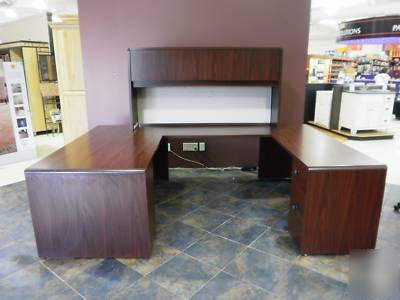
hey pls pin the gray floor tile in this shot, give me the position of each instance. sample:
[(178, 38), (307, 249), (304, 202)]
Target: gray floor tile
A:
[(260, 214), (281, 222), (176, 208), (14, 257), (205, 218), (282, 187), (215, 250), (260, 203), (240, 230), (389, 231), (336, 267), (165, 190), (276, 202), (160, 254), (179, 235), (34, 282), (302, 283), (68, 269), (201, 195), (104, 279), (384, 244), (183, 275), (13, 202), (226, 287), (16, 229), (221, 186), (162, 219), (261, 269), (228, 204), (12, 188), (393, 195), (388, 213), (255, 191), (224, 175), (278, 243), (145, 289)]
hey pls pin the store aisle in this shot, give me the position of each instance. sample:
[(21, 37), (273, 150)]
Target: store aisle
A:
[(45, 144), (385, 151)]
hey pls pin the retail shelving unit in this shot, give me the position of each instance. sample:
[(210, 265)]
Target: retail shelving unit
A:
[(27, 52), (326, 69), (338, 64), (371, 66)]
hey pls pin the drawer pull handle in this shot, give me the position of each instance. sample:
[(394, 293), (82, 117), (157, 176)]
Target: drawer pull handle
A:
[(296, 172), (295, 206)]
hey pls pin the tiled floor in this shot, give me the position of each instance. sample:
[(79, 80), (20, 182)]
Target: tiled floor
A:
[(220, 235)]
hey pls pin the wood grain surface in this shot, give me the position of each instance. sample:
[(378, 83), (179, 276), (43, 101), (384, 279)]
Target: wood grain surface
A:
[(205, 66), (93, 197)]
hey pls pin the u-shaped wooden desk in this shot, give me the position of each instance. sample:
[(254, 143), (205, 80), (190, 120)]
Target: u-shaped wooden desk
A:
[(93, 197)]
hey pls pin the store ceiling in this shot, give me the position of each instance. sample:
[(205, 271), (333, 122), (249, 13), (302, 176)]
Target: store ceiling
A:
[(11, 10), (327, 14)]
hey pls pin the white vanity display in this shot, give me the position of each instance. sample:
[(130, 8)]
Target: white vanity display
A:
[(323, 107), (366, 110)]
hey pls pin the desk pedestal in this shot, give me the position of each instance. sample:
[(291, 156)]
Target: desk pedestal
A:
[(91, 214)]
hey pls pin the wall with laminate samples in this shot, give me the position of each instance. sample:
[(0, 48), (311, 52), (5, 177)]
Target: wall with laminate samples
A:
[(108, 28)]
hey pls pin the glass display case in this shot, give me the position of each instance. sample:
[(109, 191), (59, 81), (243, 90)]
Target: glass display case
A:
[(47, 67)]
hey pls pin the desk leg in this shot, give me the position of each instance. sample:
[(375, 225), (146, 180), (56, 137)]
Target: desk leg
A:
[(274, 161), (160, 161)]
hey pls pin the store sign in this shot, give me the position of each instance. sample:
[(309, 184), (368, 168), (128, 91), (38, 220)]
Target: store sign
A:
[(360, 31)]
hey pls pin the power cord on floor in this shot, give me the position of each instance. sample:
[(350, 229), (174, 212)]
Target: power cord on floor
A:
[(204, 166), (187, 159)]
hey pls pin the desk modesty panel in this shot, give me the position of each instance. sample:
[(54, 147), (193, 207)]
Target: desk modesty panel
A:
[(104, 181)]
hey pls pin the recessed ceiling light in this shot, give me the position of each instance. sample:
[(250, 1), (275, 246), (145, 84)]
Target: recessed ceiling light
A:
[(10, 13)]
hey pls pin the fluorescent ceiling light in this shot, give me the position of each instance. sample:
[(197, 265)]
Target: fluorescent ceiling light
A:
[(40, 4), (10, 13)]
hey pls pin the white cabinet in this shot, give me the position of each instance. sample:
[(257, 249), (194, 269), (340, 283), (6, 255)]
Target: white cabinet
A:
[(323, 107), (67, 45), (366, 111)]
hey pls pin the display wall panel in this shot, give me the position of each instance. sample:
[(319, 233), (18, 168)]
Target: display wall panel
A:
[(206, 23)]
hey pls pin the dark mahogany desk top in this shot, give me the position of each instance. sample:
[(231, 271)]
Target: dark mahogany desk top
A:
[(317, 150), (118, 149)]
